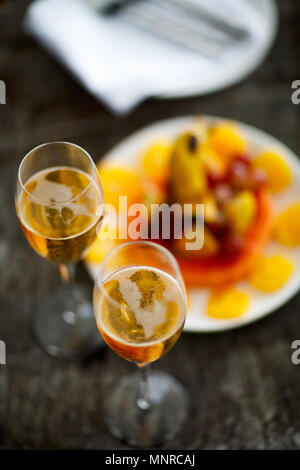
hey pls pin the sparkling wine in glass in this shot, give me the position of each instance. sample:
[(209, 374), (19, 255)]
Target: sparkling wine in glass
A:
[(140, 309), (59, 203)]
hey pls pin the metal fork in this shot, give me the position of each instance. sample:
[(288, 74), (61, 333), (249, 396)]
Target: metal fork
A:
[(180, 21)]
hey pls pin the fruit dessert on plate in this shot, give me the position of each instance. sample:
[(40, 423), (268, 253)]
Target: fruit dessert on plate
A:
[(213, 163), (211, 166)]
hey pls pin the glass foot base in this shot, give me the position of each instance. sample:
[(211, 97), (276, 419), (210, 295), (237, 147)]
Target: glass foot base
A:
[(64, 325), (150, 426)]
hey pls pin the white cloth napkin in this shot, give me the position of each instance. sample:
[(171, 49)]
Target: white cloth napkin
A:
[(122, 65)]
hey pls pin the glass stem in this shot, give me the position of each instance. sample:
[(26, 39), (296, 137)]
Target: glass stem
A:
[(67, 273), (143, 401)]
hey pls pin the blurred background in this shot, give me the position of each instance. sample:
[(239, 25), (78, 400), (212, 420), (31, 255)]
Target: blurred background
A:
[(245, 391)]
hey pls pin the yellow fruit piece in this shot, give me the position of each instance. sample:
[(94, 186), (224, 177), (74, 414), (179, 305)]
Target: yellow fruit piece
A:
[(107, 239), (240, 211), (211, 211), (211, 245), (226, 140), (277, 170), (100, 249), (287, 226), (156, 161), (227, 303), (213, 161), (153, 194), (271, 273), (188, 182), (117, 181)]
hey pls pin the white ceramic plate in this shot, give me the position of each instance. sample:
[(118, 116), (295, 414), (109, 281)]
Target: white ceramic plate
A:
[(127, 152), (236, 67)]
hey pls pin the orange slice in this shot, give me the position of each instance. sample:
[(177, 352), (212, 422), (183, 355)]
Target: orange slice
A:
[(287, 226), (226, 140), (118, 181), (277, 170), (100, 248), (156, 161), (271, 273), (227, 302)]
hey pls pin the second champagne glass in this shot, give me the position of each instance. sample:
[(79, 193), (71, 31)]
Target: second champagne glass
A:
[(59, 203), (140, 309)]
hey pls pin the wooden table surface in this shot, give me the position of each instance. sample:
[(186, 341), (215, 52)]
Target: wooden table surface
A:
[(245, 393)]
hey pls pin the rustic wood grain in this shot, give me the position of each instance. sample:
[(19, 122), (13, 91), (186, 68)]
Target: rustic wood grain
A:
[(244, 390)]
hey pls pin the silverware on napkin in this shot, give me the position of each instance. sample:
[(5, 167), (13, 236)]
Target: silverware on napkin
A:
[(181, 21)]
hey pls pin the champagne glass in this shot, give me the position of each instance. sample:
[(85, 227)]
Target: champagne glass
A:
[(140, 309), (59, 203)]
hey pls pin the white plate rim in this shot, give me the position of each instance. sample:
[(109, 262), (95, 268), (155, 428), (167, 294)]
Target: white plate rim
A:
[(243, 72)]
